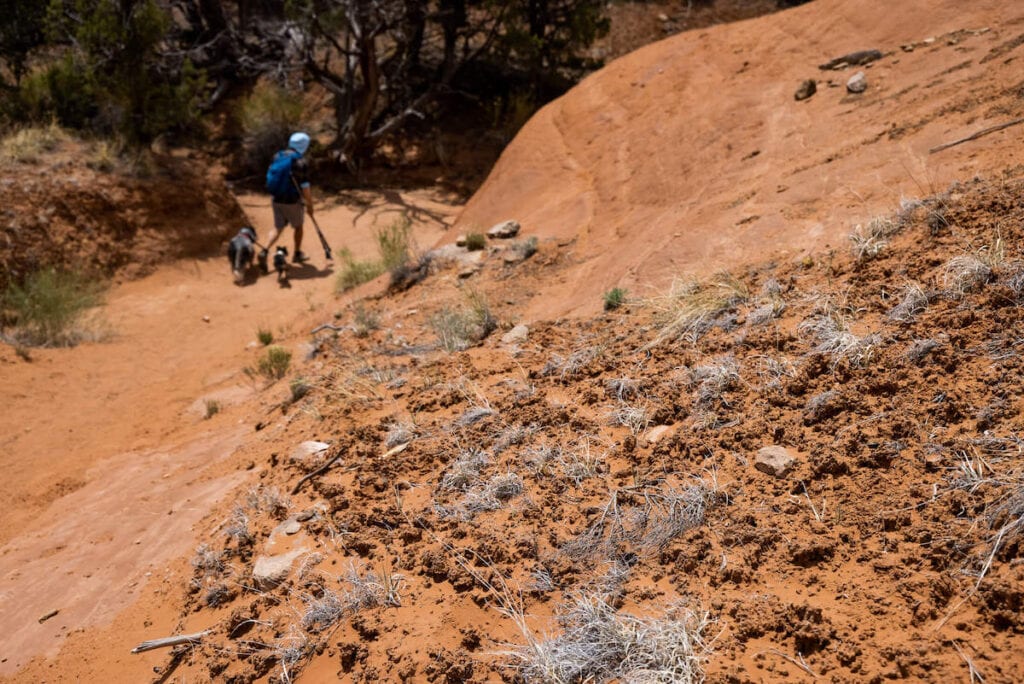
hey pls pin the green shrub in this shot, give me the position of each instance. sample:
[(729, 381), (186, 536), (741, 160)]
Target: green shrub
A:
[(212, 408), (354, 272), (274, 363), (264, 336), (47, 309), (365, 320), (476, 241), (28, 144), (614, 298), (299, 387), (267, 117), (393, 241), (457, 329)]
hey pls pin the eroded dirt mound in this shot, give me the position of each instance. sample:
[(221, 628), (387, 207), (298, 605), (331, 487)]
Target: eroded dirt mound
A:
[(691, 153), (61, 213), (608, 471)]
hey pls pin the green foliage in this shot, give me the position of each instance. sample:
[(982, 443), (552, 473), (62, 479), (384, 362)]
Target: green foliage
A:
[(457, 329), (110, 73), (212, 408), (476, 241), (48, 307), (354, 272), (393, 241), (299, 388), (274, 364), (614, 298), (264, 336), (21, 30), (267, 117)]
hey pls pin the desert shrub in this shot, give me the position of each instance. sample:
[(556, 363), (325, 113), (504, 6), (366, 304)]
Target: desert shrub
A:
[(869, 241), (614, 298), (691, 309), (598, 644), (264, 335), (457, 329), (476, 241), (364, 320), (354, 272), (47, 309), (212, 408), (267, 116), (27, 144), (274, 363), (299, 387), (394, 244)]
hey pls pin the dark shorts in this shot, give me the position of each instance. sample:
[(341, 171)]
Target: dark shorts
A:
[(285, 214)]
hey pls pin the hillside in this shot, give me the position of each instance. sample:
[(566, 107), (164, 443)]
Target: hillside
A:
[(691, 153), (482, 476)]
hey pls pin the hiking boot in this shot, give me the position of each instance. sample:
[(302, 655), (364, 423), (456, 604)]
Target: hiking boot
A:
[(300, 258)]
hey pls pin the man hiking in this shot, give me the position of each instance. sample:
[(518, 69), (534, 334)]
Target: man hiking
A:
[(288, 182)]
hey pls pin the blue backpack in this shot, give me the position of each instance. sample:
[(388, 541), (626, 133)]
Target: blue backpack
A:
[(279, 177)]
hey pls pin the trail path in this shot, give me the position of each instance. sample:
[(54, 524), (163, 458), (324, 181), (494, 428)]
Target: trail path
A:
[(108, 461)]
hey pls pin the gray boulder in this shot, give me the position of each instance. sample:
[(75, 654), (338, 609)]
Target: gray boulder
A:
[(858, 83), (504, 230)]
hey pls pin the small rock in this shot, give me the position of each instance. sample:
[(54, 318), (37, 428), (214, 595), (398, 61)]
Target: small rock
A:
[(516, 335), (47, 616), (460, 241), (269, 571), (512, 256), (474, 415), (468, 272), (291, 526), (206, 319), (806, 89), (504, 230), (775, 460), (309, 451), (858, 83), (656, 433), (662, 17), (305, 515)]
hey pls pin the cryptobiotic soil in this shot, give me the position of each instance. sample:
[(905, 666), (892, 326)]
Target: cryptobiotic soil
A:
[(582, 498)]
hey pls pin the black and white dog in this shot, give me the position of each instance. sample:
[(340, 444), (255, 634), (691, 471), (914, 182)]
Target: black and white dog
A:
[(240, 252), (281, 262)]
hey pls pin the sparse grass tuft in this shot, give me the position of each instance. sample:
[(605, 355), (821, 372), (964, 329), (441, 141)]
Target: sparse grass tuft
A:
[(465, 470), (965, 273), (265, 336), (491, 495), (691, 309), (475, 242), (713, 380), (870, 240), (365, 320), (354, 272), (913, 301), (393, 242), (274, 364), (458, 329), (48, 309), (598, 644), (833, 338), (27, 145), (212, 408), (614, 298), (299, 388)]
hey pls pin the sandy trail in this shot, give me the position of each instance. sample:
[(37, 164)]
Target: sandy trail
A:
[(108, 460)]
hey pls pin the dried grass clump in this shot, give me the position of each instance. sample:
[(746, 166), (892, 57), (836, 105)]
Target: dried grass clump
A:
[(492, 495), (965, 273), (579, 463), (713, 380), (834, 339), (691, 309), (269, 500), (772, 372), (913, 301), (636, 418), (622, 388), (465, 470), (575, 364), (322, 611), (28, 144), (869, 241), (399, 433), (208, 561), (597, 644), (371, 589)]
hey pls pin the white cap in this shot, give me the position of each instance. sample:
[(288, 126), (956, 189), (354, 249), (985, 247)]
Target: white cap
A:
[(299, 142)]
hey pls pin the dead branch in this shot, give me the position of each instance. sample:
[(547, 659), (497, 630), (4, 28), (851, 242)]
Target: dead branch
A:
[(328, 326), (170, 641), (975, 136), (310, 476)]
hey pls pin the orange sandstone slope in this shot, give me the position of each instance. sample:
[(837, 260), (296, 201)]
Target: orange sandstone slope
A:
[(692, 155)]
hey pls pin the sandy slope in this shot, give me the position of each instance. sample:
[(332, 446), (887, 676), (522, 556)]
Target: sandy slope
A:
[(107, 459), (691, 154)]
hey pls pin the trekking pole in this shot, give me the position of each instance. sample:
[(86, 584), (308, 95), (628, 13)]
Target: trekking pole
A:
[(319, 233)]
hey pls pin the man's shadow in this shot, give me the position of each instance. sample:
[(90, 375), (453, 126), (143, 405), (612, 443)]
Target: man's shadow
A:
[(308, 271)]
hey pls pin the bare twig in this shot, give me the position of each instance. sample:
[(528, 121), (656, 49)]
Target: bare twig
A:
[(318, 471), (802, 664), (170, 641), (972, 671), (975, 136)]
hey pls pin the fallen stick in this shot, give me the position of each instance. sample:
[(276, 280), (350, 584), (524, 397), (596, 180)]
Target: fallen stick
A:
[(310, 476), (975, 136), (170, 641), (328, 326)]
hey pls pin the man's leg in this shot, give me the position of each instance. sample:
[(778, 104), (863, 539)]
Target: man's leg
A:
[(297, 221)]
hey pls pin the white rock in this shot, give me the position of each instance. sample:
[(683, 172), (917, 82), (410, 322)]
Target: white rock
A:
[(775, 460), (269, 571), (309, 451), (516, 335), (504, 230), (655, 434), (460, 241), (858, 83)]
